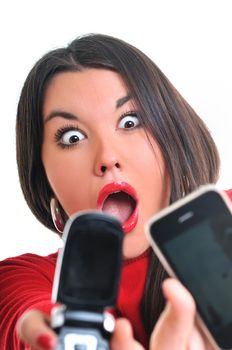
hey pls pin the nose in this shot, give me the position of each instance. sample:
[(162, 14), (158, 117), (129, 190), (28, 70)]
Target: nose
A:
[(106, 159)]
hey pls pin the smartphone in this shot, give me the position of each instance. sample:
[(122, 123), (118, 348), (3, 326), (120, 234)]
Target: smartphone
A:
[(86, 281), (193, 240)]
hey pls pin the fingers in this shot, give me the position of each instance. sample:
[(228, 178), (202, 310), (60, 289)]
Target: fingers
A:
[(176, 324), (122, 338), (197, 341), (33, 329)]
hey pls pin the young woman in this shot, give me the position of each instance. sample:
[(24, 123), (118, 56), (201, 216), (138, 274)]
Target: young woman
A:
[(100, 127)]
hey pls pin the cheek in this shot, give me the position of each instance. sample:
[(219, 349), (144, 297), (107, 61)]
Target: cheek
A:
[(154, 178), (148, 160), (67, 177)]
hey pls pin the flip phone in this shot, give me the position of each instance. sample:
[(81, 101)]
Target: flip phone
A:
[(86, 281)]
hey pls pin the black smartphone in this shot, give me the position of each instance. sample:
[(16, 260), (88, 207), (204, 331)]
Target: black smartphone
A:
[(193, 240), (86, 281)]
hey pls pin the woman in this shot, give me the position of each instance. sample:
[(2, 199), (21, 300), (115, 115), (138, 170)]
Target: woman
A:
[(100, 127)]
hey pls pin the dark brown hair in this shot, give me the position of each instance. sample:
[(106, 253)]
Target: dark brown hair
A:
[(188, 149)]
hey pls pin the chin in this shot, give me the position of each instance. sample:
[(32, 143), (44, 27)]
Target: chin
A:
[(134, 244)]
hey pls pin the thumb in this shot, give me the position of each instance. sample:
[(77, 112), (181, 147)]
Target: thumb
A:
[(122, 337), (33, 329), (176, 323)]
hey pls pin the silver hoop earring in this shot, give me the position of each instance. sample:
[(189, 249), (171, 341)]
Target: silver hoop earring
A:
[(186, 186), (56, 215)]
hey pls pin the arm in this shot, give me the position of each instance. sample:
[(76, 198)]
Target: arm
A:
[(25, 283), (175, 329)]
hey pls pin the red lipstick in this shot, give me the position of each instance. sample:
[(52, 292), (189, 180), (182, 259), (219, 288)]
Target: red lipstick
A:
[(120, 187)]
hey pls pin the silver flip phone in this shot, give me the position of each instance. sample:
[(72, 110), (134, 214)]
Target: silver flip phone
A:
[(86, 281)]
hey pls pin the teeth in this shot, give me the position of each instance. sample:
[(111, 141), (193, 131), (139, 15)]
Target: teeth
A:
[(114, 193)]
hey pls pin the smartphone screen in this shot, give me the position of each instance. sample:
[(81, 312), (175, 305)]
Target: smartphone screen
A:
[(196, 241)]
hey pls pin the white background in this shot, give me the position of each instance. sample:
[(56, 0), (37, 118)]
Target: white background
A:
[(189, 40)]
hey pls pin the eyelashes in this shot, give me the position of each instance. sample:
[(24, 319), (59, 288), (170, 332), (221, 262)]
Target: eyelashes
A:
[(70, 135), (61, 131), (129, 120)]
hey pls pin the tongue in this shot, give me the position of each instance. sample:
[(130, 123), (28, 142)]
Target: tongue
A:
[(119, 205)]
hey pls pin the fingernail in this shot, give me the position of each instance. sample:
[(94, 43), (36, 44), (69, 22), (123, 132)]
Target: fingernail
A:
[(46, 341)]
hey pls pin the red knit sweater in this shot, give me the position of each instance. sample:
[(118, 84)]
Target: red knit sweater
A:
[(26, 282)]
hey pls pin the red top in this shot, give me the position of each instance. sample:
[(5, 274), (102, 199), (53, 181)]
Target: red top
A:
[(26, 282)]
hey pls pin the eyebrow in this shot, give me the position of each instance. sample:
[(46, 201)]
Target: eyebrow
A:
[(121, 101), (57, 113), (66, 115)]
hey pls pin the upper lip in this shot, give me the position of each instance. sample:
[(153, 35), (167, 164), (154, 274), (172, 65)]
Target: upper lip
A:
[(115, 187)]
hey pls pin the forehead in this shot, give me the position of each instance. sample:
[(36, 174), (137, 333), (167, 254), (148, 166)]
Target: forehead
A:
[(97, 91), (92, 82)]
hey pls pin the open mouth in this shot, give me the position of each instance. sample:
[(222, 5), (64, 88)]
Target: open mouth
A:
[(119, 204), (119, 199)]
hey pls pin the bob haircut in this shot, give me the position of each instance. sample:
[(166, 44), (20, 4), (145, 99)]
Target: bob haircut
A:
[(186, 144)]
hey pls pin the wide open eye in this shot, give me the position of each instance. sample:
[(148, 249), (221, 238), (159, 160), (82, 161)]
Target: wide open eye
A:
[(71, 137), (129, 121)]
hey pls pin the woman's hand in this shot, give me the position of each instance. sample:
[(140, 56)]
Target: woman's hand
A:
[(176, 328), (122, 338), (33, 328)]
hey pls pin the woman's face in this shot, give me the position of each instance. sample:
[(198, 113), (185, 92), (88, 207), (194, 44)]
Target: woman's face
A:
[(97, 155)]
